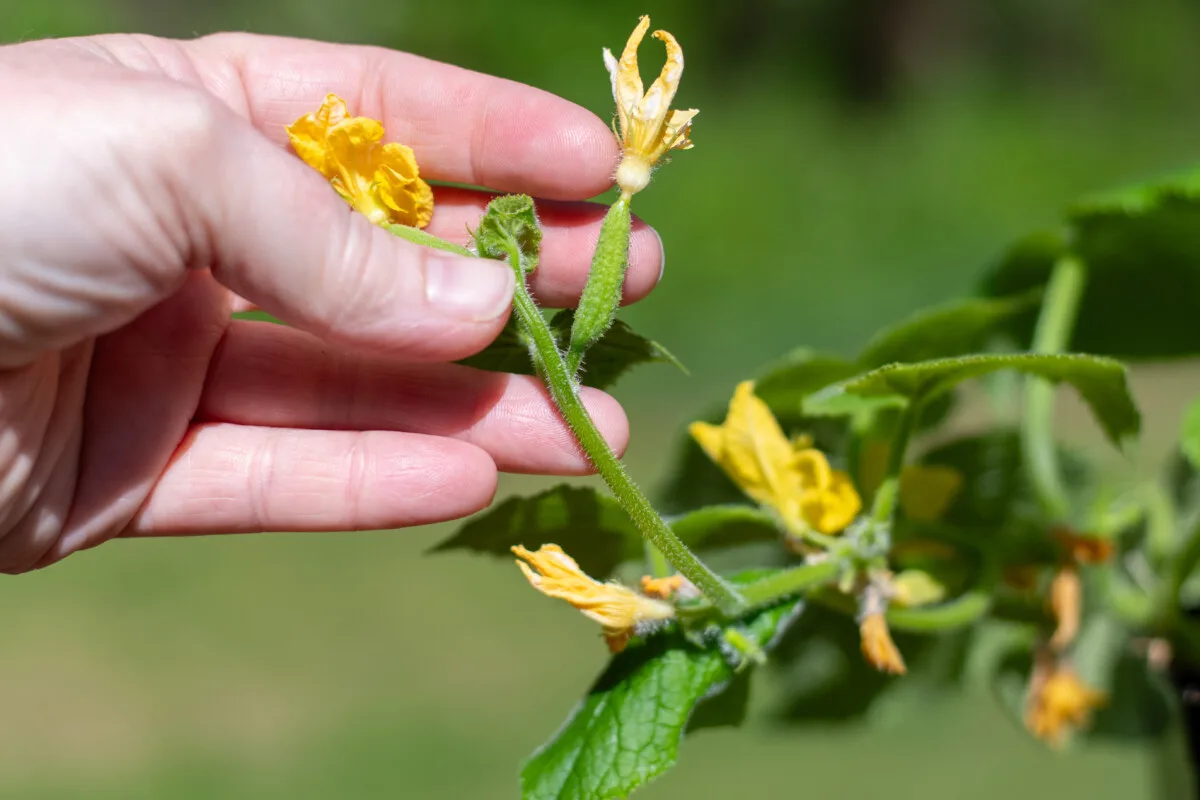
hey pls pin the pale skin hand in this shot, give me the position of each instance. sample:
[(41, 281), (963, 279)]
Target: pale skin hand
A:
[(148, 193)]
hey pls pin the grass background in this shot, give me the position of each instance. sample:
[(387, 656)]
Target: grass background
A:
[(818, 205)]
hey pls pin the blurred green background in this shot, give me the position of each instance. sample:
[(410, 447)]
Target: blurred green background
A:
[(854, 159)]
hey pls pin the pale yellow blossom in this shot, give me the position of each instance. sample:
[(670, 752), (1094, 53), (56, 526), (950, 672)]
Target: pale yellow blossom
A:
[(620, 611), (648, 126), (381, 181)]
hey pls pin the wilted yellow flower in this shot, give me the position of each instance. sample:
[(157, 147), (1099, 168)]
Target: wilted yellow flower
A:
[(1083, 548), (649, 128), (662, 588), (1059, 703), (798, 484), (877, 646), (620, 611), (379, 180), (1066, 604)]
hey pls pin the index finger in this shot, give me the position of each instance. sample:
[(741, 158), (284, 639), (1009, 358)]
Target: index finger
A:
[(463, 126)]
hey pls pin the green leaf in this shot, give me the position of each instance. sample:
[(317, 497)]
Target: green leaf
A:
[(954, 329), (508, 352), (826, 679), (1189, 436), (618, 351), (592, 528), (1100, 381), (628, 728), (785, 384), (1141, 248), (996, 487), (725, 526)]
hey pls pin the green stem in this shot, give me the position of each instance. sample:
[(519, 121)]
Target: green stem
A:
[(1181, 569), (659, 567), (790, 582), (1128, 602), (1053, 332), (888, 493), (550, 365)]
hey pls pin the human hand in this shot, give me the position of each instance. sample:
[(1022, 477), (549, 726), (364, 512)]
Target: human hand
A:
[(148, 194)]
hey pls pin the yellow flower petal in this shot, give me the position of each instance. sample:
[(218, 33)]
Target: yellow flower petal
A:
[(380, 181), (648, 126), (1059, 703), (832, 507), (926, 491), (619, 610), (751, 448), (309, 135), (877, 646), (799, 485)]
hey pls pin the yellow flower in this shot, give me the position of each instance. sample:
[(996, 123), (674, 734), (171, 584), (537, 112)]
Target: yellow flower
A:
[(379, 180), (828, 501), (649, 128), (877, 646), (797, 483), (620, 611), (1059, 703)]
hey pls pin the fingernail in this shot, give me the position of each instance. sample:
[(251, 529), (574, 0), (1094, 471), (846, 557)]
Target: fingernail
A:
[(662, 255), (477, 290)]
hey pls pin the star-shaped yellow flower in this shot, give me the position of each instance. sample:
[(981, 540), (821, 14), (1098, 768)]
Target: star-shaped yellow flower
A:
[(620, 611), (794, 480), (379, 180), (649, 128)]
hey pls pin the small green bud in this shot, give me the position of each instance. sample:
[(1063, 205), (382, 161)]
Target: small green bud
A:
[(602, 293), (510, 218), (914, 588)]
